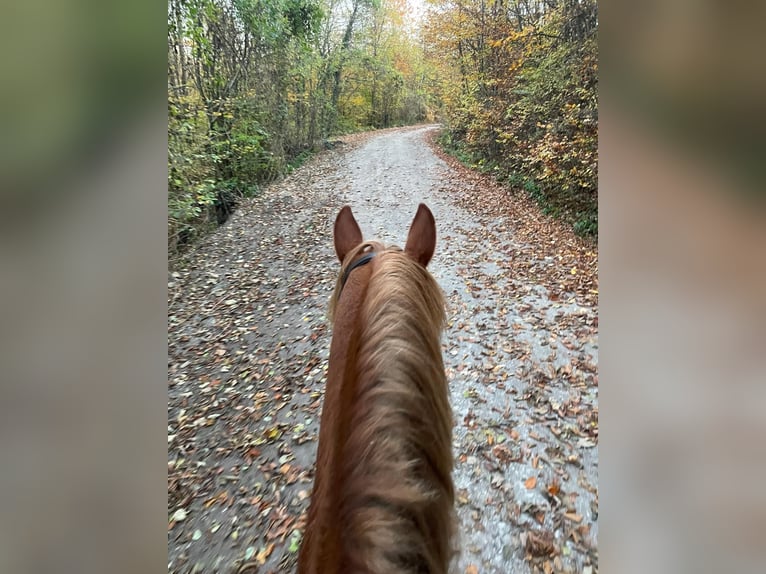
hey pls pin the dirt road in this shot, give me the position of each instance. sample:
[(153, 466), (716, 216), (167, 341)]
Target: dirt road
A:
[(249, 341)]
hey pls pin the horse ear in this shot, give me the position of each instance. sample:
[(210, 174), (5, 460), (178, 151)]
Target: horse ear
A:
[(347, 233), (421, 240)]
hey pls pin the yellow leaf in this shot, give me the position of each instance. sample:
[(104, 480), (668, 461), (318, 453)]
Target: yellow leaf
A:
[(264, 554)]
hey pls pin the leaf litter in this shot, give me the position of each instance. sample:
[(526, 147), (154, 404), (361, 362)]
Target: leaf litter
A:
[(248, 344)]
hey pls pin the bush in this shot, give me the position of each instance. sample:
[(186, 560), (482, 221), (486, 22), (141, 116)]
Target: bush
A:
[(528, 112)]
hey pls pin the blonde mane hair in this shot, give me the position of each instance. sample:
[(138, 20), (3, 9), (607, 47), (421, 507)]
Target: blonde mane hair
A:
[(395, 492)]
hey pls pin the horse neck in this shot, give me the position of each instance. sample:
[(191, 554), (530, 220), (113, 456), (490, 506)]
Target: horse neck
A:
[(322, 548)]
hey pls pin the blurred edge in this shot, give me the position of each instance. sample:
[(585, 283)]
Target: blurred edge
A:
[(84, 398), (682, 279), (74, 75), (694, 73), (83, 172)]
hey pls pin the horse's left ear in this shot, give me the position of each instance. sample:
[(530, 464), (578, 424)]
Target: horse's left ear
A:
[(421, 240), (347, 234)]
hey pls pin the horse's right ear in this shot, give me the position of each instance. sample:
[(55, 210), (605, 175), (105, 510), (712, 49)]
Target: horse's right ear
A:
[(421, 240), (347, 233)]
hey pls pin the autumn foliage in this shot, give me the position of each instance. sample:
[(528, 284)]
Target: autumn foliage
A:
[(254, 86), (518, 95)]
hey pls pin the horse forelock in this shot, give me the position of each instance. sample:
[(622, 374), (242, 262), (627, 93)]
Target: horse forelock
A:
[(352, 256)]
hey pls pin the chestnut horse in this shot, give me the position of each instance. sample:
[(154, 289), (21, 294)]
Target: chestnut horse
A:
[(383, 493)]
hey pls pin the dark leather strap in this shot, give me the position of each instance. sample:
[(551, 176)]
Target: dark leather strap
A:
[(363, 260)]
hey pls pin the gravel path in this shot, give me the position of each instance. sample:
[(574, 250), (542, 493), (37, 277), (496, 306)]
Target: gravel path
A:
[(248, 345)]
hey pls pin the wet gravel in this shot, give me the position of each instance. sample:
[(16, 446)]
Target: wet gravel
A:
[(247, 309)]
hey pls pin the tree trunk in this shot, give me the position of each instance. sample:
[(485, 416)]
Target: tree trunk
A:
[(345, 44)]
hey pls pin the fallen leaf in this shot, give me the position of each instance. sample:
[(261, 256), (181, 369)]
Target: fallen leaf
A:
[(472, 569), (179, 515), (531, 482), (540, 543), (264, 554), (295, 542)]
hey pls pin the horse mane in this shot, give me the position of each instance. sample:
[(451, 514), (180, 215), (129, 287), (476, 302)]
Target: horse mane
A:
[(396, 493)]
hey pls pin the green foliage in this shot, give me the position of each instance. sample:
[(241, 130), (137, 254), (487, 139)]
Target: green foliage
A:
[(455, 147), (304, 18), (534, 191), (298, 161), (587, 224), (253, 85)]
